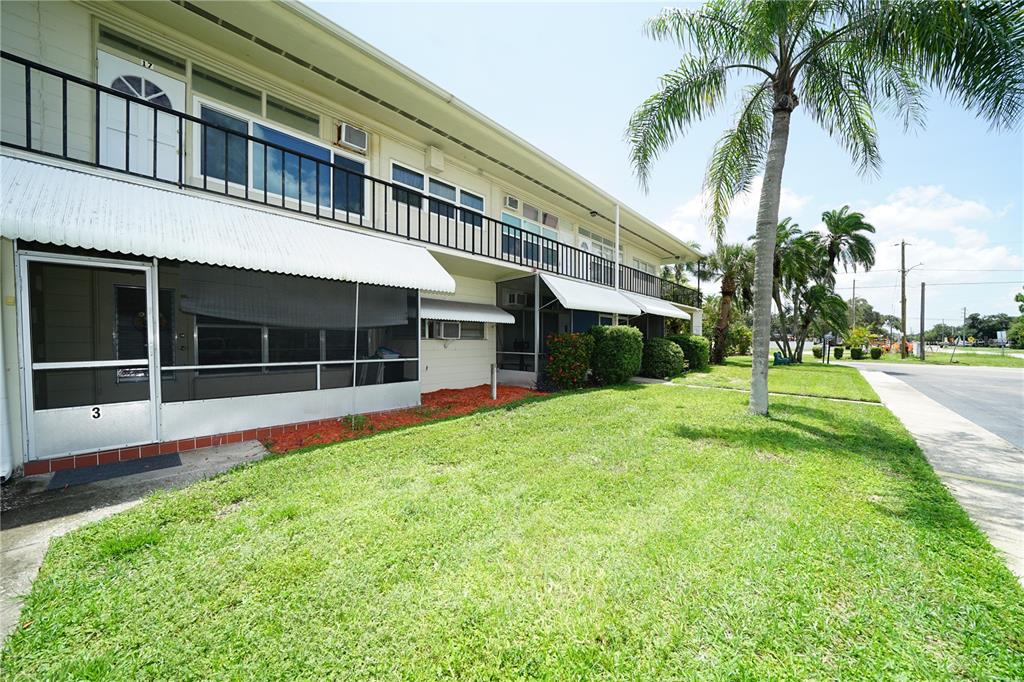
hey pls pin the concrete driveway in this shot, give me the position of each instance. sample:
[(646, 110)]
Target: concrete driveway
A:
[(968, 422)]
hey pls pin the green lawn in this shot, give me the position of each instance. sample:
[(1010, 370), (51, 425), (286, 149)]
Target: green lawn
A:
[(633, 533), (808, 378), (943, 357)]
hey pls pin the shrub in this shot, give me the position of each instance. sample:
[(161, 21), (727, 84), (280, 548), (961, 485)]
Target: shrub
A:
[(838, 352), (739, 339), (697, 350), (1015, 336), (662, 358), (876, 353), (817, 351), (568, 360), (857, 353), (618, 352)]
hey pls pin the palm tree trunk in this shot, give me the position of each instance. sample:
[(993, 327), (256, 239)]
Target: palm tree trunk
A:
[(783, 324), (767, 227), (722, 328)]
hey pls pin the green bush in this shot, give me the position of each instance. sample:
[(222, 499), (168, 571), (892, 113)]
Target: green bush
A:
[(838, 352), (739, 339), (857, 353), (1015, 336), (697, 350), (618, 353), (817, 351), (662, 358), (568, 360), (876, 353)]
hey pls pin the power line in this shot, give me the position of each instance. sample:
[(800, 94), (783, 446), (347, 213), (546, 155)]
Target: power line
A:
[(931, 284)]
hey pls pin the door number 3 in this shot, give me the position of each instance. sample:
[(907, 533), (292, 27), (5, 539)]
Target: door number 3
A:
[(96, 414)]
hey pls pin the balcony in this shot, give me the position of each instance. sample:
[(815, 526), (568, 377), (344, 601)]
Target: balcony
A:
[(58, 115)]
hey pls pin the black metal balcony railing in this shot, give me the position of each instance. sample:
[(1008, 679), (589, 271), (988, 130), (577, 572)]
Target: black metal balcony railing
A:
[(116, 131)]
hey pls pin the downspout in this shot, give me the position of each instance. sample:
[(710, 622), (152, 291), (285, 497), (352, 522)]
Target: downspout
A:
[(6, 461)]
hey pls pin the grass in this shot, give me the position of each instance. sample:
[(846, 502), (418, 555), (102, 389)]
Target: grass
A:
[(634, 533), (965, 359), (808, 378)]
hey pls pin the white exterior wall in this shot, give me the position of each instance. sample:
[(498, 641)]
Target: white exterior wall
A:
[(460, 363), (11, 437)]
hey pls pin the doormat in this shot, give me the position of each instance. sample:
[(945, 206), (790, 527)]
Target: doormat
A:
[(68, 477)]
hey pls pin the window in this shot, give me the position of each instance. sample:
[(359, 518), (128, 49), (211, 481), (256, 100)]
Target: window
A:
[(446, 192), (284, 174), (409, 178), (531, 212), (600, 246), (644, 266), (222, 150), (292, 116), (438, 329), (227, 91), (349, 185), (474, 202), (472, 331), (138, 49)]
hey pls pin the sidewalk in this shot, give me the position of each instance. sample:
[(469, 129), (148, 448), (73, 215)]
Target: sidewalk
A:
[(984, 472), (33, 515)]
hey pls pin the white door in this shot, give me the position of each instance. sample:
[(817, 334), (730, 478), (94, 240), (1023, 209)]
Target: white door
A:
[(117, 114), (89, 335)]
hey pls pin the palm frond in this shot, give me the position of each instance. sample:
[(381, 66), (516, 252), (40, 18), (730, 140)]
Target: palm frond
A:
[(690, 92), (838, 96), (737, 157)]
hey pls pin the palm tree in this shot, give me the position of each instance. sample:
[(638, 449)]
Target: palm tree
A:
[(840, 59), (733, 266), (792, 264), (844, 241)]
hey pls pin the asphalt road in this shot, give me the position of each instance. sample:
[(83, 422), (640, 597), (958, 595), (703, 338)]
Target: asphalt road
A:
[(991, 397)]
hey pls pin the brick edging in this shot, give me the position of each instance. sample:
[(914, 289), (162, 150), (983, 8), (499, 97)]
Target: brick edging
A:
[(100, 457)]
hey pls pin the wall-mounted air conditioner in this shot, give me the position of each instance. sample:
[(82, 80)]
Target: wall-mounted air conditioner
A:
[(447, 330), (511, 203), (515, 298), (353, 137)]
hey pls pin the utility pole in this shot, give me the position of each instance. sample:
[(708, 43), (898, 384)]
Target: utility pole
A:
[(854, 304), (921, 341), (903, 300)]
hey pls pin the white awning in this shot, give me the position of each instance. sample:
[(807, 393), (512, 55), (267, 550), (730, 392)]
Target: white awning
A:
[(69, 208), (583, 296), (657, 306), (442, 309)]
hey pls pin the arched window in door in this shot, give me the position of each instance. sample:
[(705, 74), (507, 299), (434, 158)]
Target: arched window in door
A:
[(142, 88)]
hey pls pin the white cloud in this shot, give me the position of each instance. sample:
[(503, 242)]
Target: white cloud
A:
[(947, 236), (688, 219)]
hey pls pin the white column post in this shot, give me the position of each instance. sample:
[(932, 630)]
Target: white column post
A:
[(617, 246)]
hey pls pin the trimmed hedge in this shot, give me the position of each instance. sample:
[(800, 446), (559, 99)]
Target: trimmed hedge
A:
[(697, 350), (856, 353), (876, 353), (618, 353), (662, 358), (817, 351), (838, 352), (568, 360)]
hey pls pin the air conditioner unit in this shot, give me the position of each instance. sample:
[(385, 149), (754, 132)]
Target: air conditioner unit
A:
[(512, 203), (515, 298), (447, 330), (353, 137)]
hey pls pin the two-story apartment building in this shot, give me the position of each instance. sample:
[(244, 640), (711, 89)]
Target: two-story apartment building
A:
[(219, 219)]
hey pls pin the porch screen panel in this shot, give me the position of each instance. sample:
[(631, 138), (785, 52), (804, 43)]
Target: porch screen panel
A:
[(242, 332), (82, 314)]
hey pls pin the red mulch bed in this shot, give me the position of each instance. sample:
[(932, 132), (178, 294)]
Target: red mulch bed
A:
[(436, 405)]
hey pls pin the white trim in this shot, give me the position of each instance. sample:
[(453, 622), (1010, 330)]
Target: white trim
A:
[(23, 259)]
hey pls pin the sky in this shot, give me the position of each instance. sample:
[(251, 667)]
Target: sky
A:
[(566, 78)]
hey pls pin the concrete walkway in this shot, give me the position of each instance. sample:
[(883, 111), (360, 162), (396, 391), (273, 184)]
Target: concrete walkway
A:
[(984, 472), (33, 515)]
